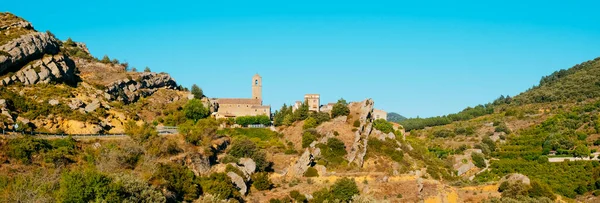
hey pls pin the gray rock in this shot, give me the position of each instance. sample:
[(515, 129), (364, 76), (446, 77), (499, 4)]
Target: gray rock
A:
[(359, 147), (239, 182), (147, 84), (301, 165), (248, 166), (75, 104), (92, 106), (198, 163), (27, 48), (53, 102)]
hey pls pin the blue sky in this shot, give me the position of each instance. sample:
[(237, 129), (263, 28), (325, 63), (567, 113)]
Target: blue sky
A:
[(422, 58)]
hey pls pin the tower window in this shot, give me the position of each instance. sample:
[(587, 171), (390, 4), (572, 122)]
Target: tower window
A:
[(255, 82)]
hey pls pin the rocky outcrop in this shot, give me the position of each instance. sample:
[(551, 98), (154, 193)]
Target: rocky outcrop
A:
[(55, 68), (515, 178), (129, 90), (198, 163), (301, 165), (359, 148), (239, 182), (247, 166), (26, 48)]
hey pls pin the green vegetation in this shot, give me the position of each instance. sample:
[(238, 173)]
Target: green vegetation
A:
[(342, 190), (466, 114), (395, 117), (246, 148), (179, 180), (251, 120), (262, 137), (286, 116), (195, 110), (219, 185), (383, 126), (387, 148), (197, 92), (309, 136), (340, 109), (478, 159), (261, 181), (311, 173), (200, 133), (333, 152)]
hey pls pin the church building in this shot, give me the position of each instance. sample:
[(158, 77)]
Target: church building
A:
[(234, 107)]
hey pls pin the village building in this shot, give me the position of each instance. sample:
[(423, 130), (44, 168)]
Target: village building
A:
[(379, 114), (314, 101), (235, 107)]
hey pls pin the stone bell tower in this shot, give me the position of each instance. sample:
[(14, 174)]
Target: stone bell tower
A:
[(257, 87)]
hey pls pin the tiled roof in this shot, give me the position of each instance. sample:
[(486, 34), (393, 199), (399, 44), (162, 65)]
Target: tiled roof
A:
[(239, 101)]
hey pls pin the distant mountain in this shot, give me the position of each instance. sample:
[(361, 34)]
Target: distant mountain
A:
[(395, 117)]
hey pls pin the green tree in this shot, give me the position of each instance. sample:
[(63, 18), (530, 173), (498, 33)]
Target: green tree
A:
[(219, 185), (203, 131), (334, 151), (246, 148), (195, 110), (105, 59), (581, 151), (383, 126), (87, 186), (141, 133), (308, 137), (197, 92), (478, 159), (340, 109), (302, 112), (147, 69)]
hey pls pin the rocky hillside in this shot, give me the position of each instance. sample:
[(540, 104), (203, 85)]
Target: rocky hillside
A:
[(93, 94)]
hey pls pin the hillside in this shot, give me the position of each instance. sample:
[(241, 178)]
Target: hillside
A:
[(510, 150), (395, 117)]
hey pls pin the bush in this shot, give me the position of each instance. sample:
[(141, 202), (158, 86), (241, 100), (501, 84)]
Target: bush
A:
[(344, 189), (502, 128), (202, 132), (311, 172), (444, 133), (247, 148), (478, 160), (195, 110), (383, 126), (385, 148), (296, 195), (219, 185), (261, 181), (87, 186), (308, 137), (179, 180), (250, 120), (340, 109), (356, 123), (197, 92), (141, 133), (309, 123), (333, 151), (22, 148)]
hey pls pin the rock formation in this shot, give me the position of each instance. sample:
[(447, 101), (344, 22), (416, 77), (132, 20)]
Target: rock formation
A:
[(129, 90), (359, 148), (26, 48), (55, 68), (239, 182)]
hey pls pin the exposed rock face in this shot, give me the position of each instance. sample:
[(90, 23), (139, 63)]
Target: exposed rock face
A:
[(248, 166), (27, 48), (301, 165), (515, 178), (49, 69), (238, 181), (359, 148), (198, 163), (131, 90)]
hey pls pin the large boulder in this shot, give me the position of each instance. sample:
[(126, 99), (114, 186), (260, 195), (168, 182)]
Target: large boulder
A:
[(516, 178), (301, 165), (55, 68), (239, 182)]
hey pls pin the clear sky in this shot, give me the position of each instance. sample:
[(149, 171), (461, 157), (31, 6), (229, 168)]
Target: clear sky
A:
[(417, 58)]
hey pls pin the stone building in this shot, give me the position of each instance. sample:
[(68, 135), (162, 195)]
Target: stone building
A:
[(314, 102), (327, 107), (379, 114), (234, 107)]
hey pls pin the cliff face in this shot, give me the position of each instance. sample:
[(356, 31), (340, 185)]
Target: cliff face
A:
[(26, 48), (130, 90)]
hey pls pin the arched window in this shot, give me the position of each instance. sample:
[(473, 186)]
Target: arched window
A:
[(255, 82)]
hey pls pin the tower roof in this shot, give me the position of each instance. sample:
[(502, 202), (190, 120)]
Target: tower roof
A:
[(257, 75)]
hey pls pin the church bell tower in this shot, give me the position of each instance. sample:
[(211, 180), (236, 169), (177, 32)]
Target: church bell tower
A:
[(257, 87)]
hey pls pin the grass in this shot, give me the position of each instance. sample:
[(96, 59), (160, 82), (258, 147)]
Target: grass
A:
[(264, 138), (6, 36)]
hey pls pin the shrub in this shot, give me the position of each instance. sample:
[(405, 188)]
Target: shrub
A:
[(340, 109), (344, 189), (356, 123), (333, 151), (261, 181), (478, 160), (249, 120), (22, 148), (383, 126), (311, 172), (219, 185), (87, 186), (179, 180), (309, 123), (308, 137), (141, 133), (502, 128), (248, 149), (203, 131), (385, 148), (444, 133), (147, 69), (296, 195)]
